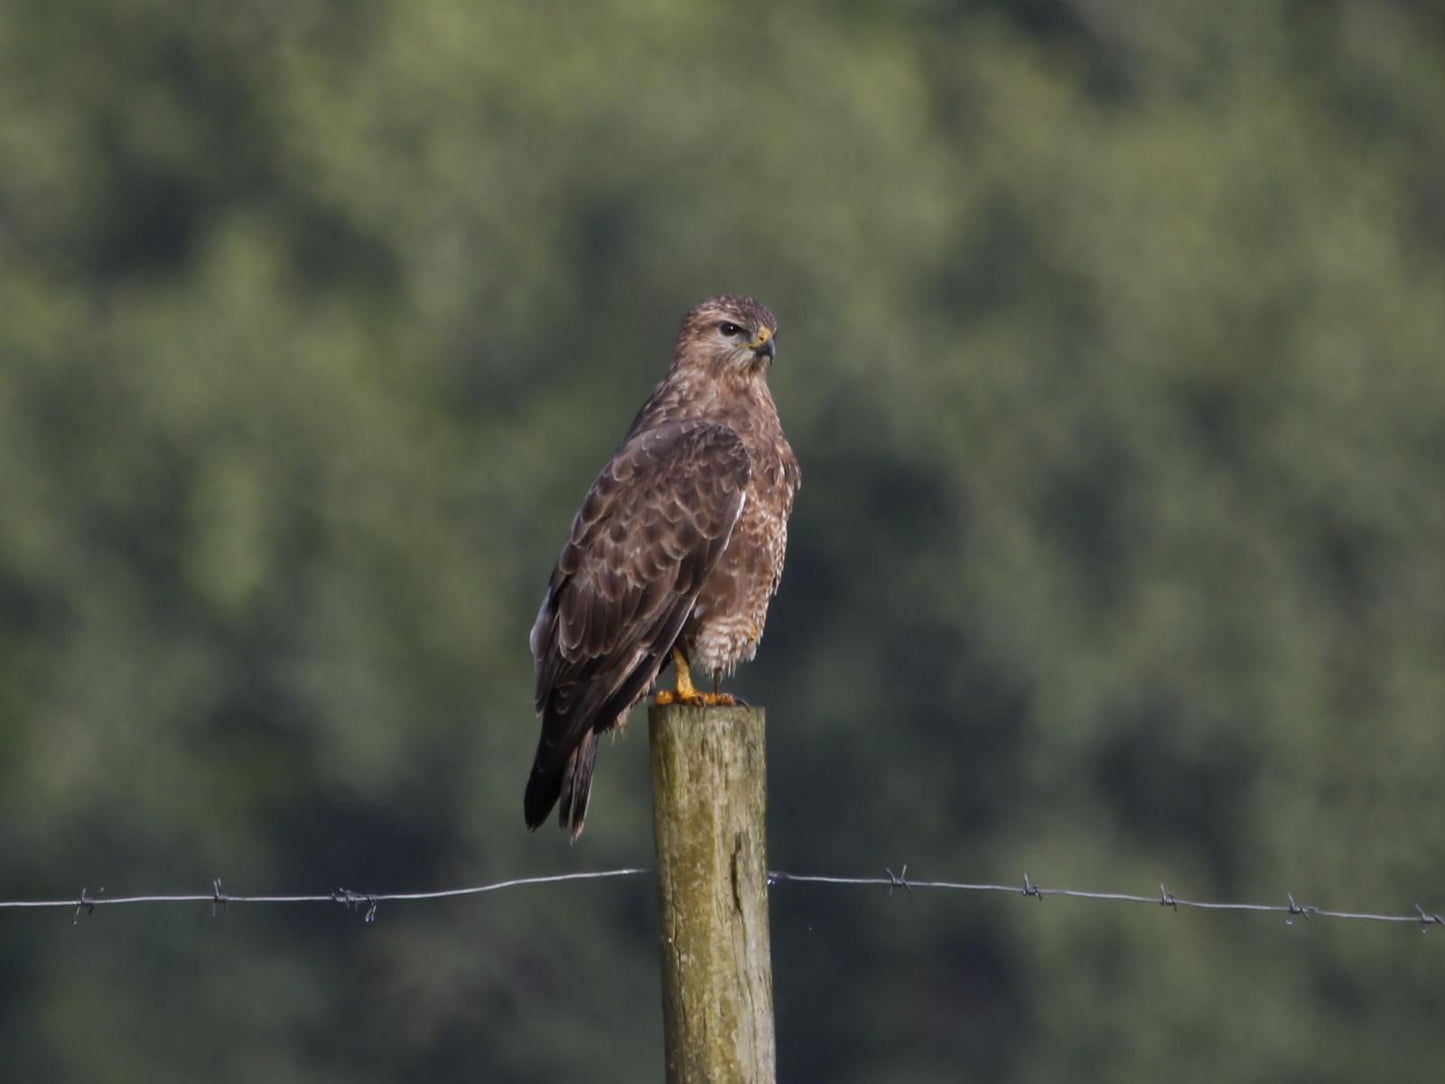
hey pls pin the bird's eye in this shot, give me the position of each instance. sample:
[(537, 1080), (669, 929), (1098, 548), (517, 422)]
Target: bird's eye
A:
[(729, 329)]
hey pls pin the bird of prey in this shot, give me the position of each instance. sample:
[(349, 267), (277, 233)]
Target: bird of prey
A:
[(675, 553)]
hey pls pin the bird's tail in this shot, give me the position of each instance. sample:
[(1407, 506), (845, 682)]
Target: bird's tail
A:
[(572, 784)]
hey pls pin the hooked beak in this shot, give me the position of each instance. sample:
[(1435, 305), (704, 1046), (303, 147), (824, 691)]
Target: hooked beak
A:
[(763, 344)]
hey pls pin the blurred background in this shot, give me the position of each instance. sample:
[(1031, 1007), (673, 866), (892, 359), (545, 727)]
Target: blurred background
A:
[(1113, 347)]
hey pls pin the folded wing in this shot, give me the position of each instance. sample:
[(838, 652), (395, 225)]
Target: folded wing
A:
[(641, 546)]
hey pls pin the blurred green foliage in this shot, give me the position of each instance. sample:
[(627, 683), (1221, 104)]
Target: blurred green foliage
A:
[(1114, 350)]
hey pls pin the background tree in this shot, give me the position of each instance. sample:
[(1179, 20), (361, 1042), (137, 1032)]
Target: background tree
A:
[(1112, 349)]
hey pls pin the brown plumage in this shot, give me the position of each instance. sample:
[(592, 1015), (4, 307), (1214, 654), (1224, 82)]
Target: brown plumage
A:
[(675, 552)]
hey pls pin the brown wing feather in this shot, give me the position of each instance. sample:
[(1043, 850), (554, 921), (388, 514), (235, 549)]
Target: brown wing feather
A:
[(650, 530)]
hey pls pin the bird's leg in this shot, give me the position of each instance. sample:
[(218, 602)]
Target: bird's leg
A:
[(715, 698), (682, 675), (685, 693), (723, 699)]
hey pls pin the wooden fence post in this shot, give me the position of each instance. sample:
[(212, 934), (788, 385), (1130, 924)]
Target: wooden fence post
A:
[(709, 791)]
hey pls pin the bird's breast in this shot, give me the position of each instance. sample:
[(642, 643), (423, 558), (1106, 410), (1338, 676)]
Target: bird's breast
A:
[(732, 607)]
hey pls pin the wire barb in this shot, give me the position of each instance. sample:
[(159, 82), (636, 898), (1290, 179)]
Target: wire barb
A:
[(1031, 889), (1428, 918), (86, 903), (898, 880), (354, 900), (1297, 909), (1166, 899)]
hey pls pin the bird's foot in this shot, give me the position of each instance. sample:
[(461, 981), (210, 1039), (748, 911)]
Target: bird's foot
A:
[(694, 699)]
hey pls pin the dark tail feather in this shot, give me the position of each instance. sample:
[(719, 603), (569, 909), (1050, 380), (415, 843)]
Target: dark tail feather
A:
[(577, 785), (572, 783), (544, 786)]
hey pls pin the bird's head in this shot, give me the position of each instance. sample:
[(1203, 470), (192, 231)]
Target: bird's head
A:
[(731, 336)]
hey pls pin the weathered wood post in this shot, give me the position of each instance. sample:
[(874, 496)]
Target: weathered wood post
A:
[(709, 794)]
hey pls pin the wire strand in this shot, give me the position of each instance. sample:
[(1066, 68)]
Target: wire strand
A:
[(891, 881)]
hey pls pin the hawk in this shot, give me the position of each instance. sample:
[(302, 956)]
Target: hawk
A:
[(675, 553)]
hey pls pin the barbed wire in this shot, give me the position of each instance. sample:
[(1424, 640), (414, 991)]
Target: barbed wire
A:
[(218, 897), (1290, 909)]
